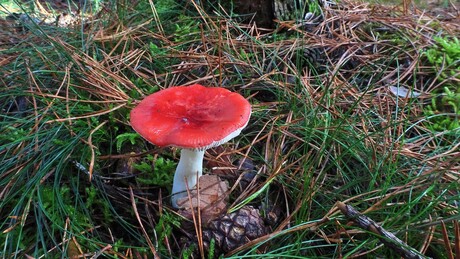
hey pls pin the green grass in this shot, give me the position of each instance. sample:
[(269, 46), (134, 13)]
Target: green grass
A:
[(321, 131)]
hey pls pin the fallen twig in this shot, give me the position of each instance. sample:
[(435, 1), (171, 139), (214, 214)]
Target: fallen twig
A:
[(387, 238)]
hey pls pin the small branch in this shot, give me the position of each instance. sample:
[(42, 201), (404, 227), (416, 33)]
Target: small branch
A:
[(387, 238), (147, 238)]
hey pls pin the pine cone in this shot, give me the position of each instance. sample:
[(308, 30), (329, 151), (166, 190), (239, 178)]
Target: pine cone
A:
[(233, 230)]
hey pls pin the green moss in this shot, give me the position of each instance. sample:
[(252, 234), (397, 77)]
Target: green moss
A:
[(444, 110)]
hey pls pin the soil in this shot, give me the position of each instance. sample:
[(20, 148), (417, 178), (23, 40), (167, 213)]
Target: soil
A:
[(443, 10)]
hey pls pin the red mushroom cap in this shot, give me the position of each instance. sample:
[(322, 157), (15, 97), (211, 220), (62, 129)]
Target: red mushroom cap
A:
[(193, 117)]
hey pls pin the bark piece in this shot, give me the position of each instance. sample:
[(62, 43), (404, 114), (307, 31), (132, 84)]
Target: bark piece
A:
[(258, 11)]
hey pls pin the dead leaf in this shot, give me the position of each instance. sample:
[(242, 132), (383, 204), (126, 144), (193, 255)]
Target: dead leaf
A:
[(211, 198), (402, 91)]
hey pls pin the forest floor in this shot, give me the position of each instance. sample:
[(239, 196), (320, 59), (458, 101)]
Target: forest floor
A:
[(351, 149)]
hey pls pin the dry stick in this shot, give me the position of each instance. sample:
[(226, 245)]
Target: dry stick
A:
[(445, 237), (457, 238), (147, 238), (388, 238)]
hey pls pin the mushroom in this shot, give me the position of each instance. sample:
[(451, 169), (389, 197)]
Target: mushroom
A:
[(193, 118)]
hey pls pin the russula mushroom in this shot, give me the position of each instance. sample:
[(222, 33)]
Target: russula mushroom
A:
[(193, 118)]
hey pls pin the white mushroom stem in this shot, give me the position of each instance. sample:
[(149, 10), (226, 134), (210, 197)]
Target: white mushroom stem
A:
[(187, 173)]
